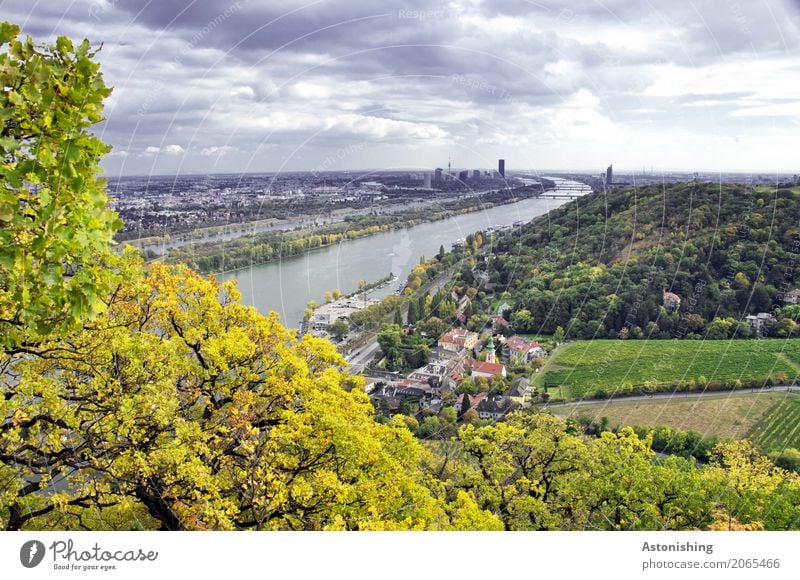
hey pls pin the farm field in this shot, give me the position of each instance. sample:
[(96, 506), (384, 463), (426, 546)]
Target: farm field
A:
[(615, 367), (780, 428), (726, 415)]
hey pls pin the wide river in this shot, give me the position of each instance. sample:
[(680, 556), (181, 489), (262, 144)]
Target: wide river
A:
[(286, 286)]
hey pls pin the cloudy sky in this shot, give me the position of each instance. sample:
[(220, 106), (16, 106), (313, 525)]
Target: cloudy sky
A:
[(268, 85)]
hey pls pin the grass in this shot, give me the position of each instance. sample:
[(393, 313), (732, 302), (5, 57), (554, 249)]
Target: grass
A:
[(726, 415), (780, 428), (617, 367)]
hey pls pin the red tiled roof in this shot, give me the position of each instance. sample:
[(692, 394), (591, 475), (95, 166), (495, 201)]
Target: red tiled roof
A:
[(520, 343), (488, 368), (474, 400)]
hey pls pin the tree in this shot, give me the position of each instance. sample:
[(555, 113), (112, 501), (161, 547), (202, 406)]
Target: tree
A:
[(327, 297), (398, 317), (435, 327), (339, 328), (336, 293), (466, 404), (56, 259), (197, 412), (470, 416), (441, 253), (522, 320), (362, 288), (558, 335), (448, 415), (390, 340)]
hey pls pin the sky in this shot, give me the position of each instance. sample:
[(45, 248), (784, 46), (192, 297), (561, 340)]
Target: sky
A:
[(281, 85)]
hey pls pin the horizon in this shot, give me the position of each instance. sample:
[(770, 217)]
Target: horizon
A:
[(539, 172)]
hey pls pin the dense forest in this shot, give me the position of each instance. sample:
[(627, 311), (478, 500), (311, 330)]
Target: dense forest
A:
[(138, 396), (598, 266)]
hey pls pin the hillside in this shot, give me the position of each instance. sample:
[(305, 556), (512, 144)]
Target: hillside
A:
[(598, 265)]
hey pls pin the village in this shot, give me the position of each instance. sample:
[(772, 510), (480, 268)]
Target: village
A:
[(465, 372), (482, 374)]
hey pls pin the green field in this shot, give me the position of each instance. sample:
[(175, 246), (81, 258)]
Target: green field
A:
[(780, 428), (726, 415), (618, 367), (771, 420)]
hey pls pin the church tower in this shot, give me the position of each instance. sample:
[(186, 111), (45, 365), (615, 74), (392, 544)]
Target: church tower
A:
[(490, 355)]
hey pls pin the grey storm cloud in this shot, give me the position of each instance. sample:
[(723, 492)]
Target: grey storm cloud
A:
[(282, 84)]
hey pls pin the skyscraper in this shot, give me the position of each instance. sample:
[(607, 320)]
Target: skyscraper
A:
[(437, 176), (609, 176), (501, 167), (427, 180)]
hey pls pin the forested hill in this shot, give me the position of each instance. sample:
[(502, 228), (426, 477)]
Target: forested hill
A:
[(598, 266)]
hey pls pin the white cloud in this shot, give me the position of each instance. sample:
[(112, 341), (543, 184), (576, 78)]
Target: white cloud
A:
[(167, 150), (172, 150), (214, 150)]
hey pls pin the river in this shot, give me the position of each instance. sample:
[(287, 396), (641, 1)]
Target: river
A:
[(287, 286)]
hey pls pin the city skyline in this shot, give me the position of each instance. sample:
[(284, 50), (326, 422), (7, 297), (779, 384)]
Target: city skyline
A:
[(244, 87)]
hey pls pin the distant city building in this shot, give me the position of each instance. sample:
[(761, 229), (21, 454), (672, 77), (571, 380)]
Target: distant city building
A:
[(476, 174), (609, 175), (427, 180), (374, 185), (463, 175), (437, 175), (501, 167)]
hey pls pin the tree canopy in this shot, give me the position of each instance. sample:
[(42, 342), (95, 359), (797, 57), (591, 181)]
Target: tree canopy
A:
[(55, 229)]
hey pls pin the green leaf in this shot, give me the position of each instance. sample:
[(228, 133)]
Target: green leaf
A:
[(8, 32), (64, 45)]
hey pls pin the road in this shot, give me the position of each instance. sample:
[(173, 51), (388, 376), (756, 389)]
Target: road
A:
[(669, 396), (362, 357)]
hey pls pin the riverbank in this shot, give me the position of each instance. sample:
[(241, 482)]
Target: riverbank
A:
[(286, 286), (250, 250)]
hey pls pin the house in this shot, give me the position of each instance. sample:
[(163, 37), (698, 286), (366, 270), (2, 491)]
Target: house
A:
[(520, 390), (493, 408), (761, 322), (671, 301), (792, 297), (520, 350), (457, 339), (499, 323), (432, 373), (471, 401), (320, 320), (488, 370)]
